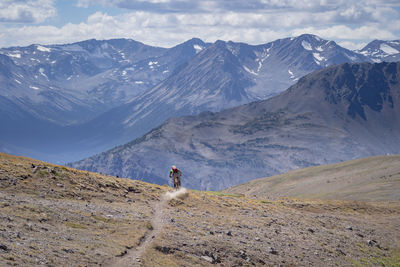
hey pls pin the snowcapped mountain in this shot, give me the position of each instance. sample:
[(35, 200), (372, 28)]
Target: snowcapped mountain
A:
[(337, 113), (224, 75), (97, 75), (379, 50), (99, 94), (277, 65), (64, 85)]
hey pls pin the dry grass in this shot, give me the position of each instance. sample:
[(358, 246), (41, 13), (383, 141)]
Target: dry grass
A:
[(369, 179)]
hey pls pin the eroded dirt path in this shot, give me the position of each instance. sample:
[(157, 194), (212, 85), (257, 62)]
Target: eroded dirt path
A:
[(134, 255)]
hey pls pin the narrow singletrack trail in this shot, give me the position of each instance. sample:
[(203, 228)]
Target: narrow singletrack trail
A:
[(134, 255)]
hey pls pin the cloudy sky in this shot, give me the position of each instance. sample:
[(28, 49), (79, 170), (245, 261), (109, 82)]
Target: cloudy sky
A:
[(165, 23)]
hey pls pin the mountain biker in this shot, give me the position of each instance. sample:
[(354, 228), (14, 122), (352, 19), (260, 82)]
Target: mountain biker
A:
[(175, 174)]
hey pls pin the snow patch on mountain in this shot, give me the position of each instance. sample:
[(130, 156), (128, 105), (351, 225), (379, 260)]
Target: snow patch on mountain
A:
[(291, 74), (388, 49), (318, 57), (250, 71), (17, 55), (43, 49), (198, 48), (41, 71), (306, 45)]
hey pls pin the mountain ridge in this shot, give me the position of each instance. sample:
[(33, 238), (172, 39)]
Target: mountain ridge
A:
[(92, 87), (309, 124)]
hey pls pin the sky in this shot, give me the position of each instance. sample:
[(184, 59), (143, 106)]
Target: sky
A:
[(165, 23)]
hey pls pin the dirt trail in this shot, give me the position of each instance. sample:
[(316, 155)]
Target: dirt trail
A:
[(133, 255)]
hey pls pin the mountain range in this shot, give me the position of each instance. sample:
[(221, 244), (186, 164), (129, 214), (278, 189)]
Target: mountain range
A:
[(64, 102), (338, 113)]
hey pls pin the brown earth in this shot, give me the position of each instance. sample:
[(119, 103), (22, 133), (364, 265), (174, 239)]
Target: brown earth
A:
[(56, 216)]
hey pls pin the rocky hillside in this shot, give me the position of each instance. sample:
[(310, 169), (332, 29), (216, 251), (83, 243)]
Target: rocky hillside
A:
[(52, 215), (368, 179), (339, 113)]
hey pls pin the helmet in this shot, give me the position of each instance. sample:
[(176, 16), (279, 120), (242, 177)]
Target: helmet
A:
[(174, 167)]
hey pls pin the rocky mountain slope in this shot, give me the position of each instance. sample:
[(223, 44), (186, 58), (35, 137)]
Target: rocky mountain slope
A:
[(57, 86), (53, 215), (224, 75), (98, 94), (367, 179), (339, 113), (379, 50)]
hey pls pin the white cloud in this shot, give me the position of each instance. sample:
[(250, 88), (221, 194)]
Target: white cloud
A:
[(344, 32), (255, 21), (352, 45), (26, 11)]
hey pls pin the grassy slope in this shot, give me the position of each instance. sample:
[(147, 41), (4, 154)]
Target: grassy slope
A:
[(368, 179), (56, 216)]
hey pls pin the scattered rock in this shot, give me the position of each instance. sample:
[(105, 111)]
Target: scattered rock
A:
[(68, 250), (123, 253), (163, 249), (244, 256), (229, 233), (133, 190), (311, 230), (24, 177), (4, 248), (340, 251), (349, 228), (257, 239), (207, 258), (272, 251)]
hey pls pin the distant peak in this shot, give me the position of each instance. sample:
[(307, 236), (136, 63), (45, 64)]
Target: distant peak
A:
[(307, 36), (195, 40), (220, 43)]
